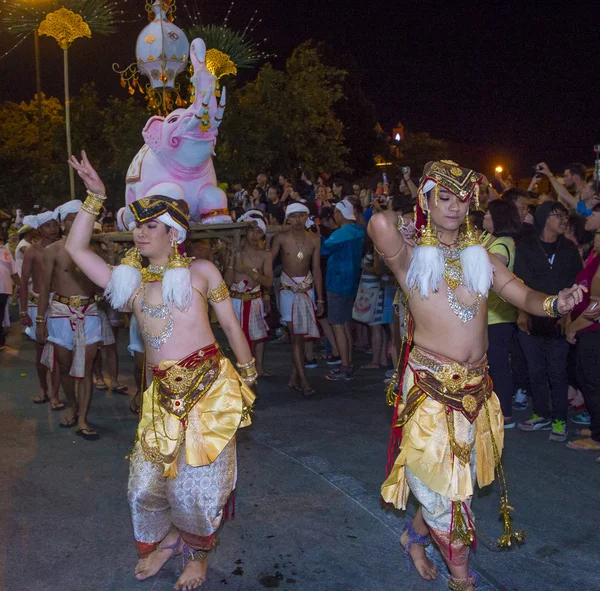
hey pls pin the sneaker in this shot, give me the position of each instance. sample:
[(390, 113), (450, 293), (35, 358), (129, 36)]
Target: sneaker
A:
[(336, 375), (334, 360), (535, 423), (520, 400), (311, 364), (559, 431), (510, 424), (583, 418)]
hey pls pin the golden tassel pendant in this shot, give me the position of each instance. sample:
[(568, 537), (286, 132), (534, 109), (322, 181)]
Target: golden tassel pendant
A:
[(510, 535), (461, 532)]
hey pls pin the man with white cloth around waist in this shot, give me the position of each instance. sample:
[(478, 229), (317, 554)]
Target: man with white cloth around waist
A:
[(32, 272), (249, 275), (72, 329), (300, 277)]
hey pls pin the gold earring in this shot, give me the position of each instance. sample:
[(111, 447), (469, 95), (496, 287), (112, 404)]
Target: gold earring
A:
[(471, 237), (133, 258), (428, 236), (177, 261), (436, 194)]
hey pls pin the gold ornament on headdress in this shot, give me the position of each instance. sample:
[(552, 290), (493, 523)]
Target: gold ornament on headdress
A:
[(436, 194)]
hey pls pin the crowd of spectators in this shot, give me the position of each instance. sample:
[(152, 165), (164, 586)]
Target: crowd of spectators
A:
[(547, 234)]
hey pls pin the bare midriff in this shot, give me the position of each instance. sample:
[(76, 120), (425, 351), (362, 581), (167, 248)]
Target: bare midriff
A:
[(439, 330)]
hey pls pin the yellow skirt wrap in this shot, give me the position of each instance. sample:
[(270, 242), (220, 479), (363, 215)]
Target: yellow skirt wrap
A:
[(426, 449), (207, 429)]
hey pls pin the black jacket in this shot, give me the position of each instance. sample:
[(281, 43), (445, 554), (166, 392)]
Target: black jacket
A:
[(532, 266)]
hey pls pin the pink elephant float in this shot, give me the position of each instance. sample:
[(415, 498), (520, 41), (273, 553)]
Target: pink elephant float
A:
[(180, 147)]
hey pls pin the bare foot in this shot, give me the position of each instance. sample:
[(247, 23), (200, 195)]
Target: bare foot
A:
[(193, 575), (307, 389), (169, 547), (424, 566)]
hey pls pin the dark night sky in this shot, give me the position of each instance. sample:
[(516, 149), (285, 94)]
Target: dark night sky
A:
[(511, 82)]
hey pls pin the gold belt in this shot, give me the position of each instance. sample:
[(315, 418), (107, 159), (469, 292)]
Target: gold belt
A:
[(467, 401), (245, 297), (453, 376), (73, 301), (183, 384), (34, 300)]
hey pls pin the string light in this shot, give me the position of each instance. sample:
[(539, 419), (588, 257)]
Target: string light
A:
[(14, 46)]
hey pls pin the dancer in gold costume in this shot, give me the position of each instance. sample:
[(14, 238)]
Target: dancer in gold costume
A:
[(183, 466), (446, 413)]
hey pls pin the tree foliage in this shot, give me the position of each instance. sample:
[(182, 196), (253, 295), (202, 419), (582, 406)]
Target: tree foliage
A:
[(284, 120), (34, 172), (29, 168)]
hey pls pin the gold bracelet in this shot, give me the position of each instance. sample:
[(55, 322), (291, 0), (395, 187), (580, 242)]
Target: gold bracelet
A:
[(246, 365), (549, 306), (92, 205), (95, 195), (218, 294)]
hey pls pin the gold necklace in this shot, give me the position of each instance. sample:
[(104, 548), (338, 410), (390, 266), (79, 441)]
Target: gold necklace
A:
[(153, 273), (299, 254)]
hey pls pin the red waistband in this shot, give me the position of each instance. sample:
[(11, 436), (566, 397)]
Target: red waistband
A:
[(193, 360)]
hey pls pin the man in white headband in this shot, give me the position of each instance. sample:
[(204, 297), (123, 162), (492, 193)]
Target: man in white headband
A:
[(249, 274), (451, 421), (183, 466), (27, 234), (301, 274), (32, 276), (68, 323)]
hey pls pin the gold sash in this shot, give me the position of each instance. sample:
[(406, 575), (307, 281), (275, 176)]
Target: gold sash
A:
[(214, 402)]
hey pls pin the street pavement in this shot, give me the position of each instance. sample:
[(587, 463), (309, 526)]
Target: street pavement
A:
[(308, 515)]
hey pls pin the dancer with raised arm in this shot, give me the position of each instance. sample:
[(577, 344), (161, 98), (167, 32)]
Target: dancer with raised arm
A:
[(183, 466), (450, 419)]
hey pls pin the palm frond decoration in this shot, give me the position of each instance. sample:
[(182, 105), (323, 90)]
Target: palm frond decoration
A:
[(22, 17), (242, 51)]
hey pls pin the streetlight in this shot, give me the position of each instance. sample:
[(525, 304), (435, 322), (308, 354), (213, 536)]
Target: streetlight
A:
[(498, 169)]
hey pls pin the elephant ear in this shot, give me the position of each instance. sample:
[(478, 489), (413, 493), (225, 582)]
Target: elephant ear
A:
[(152, 132)]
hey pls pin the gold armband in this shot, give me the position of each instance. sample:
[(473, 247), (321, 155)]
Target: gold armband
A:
[(218, 294), (550, 306), (93, 203)]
